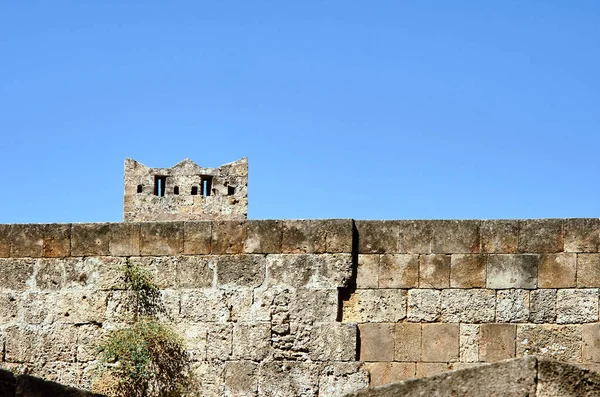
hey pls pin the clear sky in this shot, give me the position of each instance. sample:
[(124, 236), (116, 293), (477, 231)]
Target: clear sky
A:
[(346, 109)]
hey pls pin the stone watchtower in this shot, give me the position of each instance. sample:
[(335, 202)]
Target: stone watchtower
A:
[(185, 191)]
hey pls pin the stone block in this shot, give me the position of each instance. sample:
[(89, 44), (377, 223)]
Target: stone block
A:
[(197, 237), (541, 235), (467, 271), (124, 239), (376, 342), (194, 338), (9, 306), (469, 343), (389, 372), (88, 239), (241, 379), (542, 306), (57, 240), (439, 342), (557, 271), (375, 305), (339, 237), (339, 379), (512, 306), (219, 341), (333, 342), (49, 274), (210, 377), (582, 235), (588, 270), (408, 342), (399, 271), (431, 369), (557, 342), (575, 306), (27, 240), (263, 236), (15, 273), (424, 305), (455, 237), (228, 237), (313, 306), (194, 272), (212, 305), (5, 241), (367, 273), (37, 307), (303, 237), (81, 307), (378, 237), (288, 378), (240, 270), (162, 268), (103, 273), (251, 341), (560, 379), (309, 271), (591, 342), (161, 238), (89, 337), (468, 305), (512, 271), (499, 236), (497, 342), (434, 271), (415, 236)]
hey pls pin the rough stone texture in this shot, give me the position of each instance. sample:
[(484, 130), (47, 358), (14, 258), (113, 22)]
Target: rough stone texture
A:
[(367, 273), (557, 271), (408, 342), (468, 305), (591, 342), (228, 237), (557, 342), (338, 379), (375, 305), (542, 306), (15, 273), (582, 235), (240, 379), (431, 369), (399, 271), (5, 241), (424, 305), (575, 306), (124, 239), (197, 237), (333, 342), (559, 379), (512, 306), (588, 270), (57, 240), (384, 373), (415, 236), (251, 341), (339, 234), (499, 236), (263, 236), (469, 343), (467, 271), (376, 342), (434, 271), (88, 239), (27, 241), (455, 237), (439, 342), (288, 378), (161, 238), (309, 271), (497, 342), (541, 235), (378, 237), (512, 271), (303, 237), (240, 270)]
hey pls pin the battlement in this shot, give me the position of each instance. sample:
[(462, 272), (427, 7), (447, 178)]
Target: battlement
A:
[(185, 191)]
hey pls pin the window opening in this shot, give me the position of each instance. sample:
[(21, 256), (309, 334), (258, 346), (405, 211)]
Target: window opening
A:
[(194, 190), (230, 190), (160, 183), (176, 190), (139, 188), (206, 185)]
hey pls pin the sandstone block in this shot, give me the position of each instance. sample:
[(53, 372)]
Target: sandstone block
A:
[(9, 306), (263, 236), (163, 269), (399, 271), (37, 307), (339, 236), (408, 342), (288, 378), (197, 237), (241, 379), (542, 304), (512, 271), (582, 235), (455, 237), (467, 271), (49, 274), (497, 342), (591, 342), (468, 305), (210, 377), (194, 337), (588, 270), (161, 238), (557, 271), (557, 342), (574, 306), (333, 342), (512, 306), (367, 273), (213, 305), (339, 379), (431, 369), (88, 338), (81, 307), (439, 342), (415, 237), (375, 305), (124, 239), (389, 372), (240, 270), (313, 306), (194, 272), (424, 305), (541, 235), (5, 241), (27, 241), (303, 237), (219, 341), (57, 240), (376, 342), (14, 273), (251, 341), (378, 237), (104, 273), (228, 237), (469, 343), (499, 236), (310, 271), (89, 239), (434, 271)]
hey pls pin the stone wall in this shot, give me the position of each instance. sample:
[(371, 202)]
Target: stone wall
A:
[(290, 308)]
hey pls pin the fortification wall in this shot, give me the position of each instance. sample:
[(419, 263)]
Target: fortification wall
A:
[(289, 308)]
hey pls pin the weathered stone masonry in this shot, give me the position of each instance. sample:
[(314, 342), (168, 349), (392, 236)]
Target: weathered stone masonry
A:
[(310, 307)]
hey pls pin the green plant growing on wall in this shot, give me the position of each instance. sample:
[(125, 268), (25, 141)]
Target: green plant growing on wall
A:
[(146, 358)]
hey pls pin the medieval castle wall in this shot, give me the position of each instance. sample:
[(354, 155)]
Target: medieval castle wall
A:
[(307, 307)]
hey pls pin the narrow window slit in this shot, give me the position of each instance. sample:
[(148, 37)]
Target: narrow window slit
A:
[(139, 188), (206, 185), (160, 183), (176, 190), (230, 190), (194, 190)]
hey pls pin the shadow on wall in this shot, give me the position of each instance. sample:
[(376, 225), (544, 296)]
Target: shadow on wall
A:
[(29, 386)]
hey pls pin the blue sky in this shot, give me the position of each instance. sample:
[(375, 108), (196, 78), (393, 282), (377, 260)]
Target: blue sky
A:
[(346, 109)]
